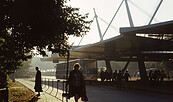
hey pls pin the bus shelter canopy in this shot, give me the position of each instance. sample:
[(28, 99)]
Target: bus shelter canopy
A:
[(158, 28), (129, 46), (123, 47)]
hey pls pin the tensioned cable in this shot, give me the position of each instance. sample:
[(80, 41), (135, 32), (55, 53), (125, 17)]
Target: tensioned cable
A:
[(113, 18), (146, 13), (108, 24), (84, 35)]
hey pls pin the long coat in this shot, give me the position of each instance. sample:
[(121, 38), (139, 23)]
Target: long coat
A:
[(38, 87), (70, 81)]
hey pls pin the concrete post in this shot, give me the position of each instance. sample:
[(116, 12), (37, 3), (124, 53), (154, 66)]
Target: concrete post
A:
[(108, 66), (125, 67), (142, 69)]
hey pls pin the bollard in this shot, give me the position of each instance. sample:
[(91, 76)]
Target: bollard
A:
[(63, 95), (42, 82), (45, 81), (4, 95), (57, 85), (63, 87), (66, 88), (57, 88), (48, 83), (52, 84)]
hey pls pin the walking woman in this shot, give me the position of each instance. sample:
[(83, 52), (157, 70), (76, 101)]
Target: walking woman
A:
[(38, 87), (76, 84)]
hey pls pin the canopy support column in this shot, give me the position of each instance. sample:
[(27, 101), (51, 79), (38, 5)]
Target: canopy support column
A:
[(108, 66), (124, 69), (142, 69)]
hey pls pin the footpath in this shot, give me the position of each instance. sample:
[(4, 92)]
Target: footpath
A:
[(49, 94)]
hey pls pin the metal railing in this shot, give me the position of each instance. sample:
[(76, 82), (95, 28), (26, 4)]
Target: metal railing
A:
[(54, 87)]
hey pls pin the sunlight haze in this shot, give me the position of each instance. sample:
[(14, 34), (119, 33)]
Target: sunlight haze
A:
[(141, 12)]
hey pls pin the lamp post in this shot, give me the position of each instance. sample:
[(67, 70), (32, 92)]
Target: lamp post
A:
[(68, 57)]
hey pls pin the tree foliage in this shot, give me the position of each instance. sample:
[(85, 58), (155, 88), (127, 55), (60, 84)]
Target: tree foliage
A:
[(40, 24), (24, 71)]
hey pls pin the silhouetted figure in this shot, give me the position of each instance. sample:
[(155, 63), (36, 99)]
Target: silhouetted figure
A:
[(127, 76), (162, 75), (106, 75), (168, 76), (38, 87), (119, 79), (102, 76), (109, 76), (155, 75), (158, 75), (114, 76), (76, 84), (151, 75)]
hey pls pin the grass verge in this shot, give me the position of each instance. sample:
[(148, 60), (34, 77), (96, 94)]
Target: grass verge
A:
[(19, 93)]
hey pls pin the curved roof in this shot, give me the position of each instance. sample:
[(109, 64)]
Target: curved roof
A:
[(158, 28), (128, 46)]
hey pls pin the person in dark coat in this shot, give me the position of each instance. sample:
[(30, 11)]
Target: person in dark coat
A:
[(114, 76), (76, 84), (127, 76), (119, 79), (102, 76), (38, 87), (151, 75)]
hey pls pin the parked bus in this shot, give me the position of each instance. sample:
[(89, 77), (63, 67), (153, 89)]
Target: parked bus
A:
[(88, 68)]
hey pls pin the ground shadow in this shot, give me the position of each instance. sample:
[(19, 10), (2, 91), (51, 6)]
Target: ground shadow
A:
[(34, 99)]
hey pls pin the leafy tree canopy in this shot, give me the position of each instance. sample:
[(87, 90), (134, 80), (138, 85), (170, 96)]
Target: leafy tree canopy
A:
[(44, 24)]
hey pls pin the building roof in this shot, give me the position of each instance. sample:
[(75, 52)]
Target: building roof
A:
[(158, 28), (122, 47), (127, 45)]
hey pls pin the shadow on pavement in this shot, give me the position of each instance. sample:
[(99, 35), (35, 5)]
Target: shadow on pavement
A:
[(34, 99)]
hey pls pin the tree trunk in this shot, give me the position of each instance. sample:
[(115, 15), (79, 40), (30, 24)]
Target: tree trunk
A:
[(3, 80)]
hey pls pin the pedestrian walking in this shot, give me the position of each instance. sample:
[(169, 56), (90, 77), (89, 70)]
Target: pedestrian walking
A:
[(114, 76), (119, 79), (102, 76), (38, 87), (151, 75), (76, 84), (162, 75), (107, 75), (127, 76)]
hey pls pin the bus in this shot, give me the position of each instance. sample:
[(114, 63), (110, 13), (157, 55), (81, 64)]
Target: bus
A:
[(88, 68)]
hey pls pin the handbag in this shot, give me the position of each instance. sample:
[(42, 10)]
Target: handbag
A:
[(65, 94), (84, 98)]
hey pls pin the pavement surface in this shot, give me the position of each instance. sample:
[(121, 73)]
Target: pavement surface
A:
[(49, 94), (97, 93)]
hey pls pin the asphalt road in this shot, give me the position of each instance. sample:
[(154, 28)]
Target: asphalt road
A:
[(100, 94), (106, 94)]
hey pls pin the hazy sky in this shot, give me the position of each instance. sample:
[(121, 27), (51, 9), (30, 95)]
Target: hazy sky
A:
[(141, 11)]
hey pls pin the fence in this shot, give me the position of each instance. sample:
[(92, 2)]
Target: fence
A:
[(55, 87)]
